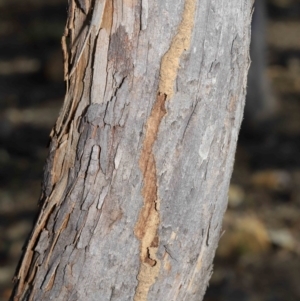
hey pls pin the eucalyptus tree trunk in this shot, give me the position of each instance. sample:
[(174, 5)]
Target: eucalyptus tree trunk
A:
[(140, 160)]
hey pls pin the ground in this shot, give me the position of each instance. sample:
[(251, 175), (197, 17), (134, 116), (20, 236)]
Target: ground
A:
[(259, 254)]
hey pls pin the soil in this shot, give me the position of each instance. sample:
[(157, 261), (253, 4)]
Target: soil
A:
[(259, 253)]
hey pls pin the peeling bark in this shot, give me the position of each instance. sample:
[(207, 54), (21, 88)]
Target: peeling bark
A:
[(136, 181)]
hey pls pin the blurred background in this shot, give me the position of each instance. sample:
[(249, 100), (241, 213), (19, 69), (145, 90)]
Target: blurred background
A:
[(258, 258)]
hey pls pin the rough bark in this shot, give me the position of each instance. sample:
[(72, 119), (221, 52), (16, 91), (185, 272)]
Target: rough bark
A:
[(141, 156)]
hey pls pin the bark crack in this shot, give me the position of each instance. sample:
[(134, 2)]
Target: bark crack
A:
[(147, 225), (148, 222), (180, 43)]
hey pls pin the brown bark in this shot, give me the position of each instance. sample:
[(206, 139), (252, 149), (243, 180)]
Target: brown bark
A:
[(141, 155)]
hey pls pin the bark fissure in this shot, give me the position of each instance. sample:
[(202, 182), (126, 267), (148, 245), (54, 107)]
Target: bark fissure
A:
[(148, 222), (147, 226), (180, 43)]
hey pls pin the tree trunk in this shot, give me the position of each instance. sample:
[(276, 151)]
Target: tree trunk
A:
[(141, 156)]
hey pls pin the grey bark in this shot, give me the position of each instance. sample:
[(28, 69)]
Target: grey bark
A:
[(141, 156)]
